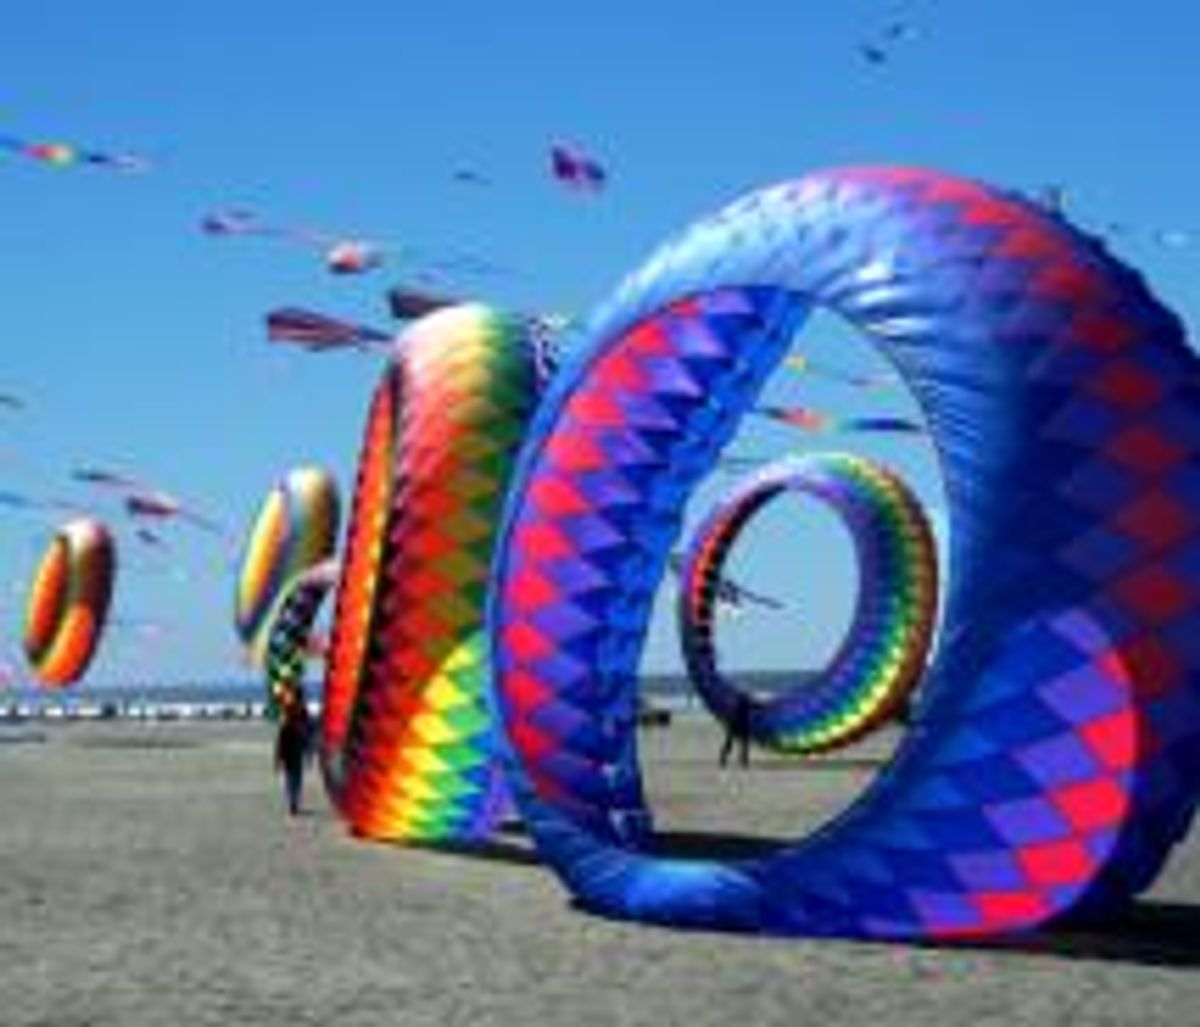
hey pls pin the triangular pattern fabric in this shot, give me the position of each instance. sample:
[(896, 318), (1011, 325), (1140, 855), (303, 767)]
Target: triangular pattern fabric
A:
[(409, 740), (1057, 754)]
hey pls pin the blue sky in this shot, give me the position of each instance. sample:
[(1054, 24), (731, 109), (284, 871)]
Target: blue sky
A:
[(136, 341)]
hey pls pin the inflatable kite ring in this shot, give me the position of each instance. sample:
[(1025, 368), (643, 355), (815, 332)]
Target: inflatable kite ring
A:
[(295, 528), (883, 653), (1057, 754), (408, 742), (68, 601), (289, 642)]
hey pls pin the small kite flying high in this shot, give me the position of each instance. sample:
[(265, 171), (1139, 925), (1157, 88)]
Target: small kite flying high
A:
[(577, 170), (62, 155), (145, 502), (807, 419), (341, 255), (319, 333), (728, 592)]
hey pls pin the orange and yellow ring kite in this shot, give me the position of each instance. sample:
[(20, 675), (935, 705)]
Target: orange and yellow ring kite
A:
[(68, 602)]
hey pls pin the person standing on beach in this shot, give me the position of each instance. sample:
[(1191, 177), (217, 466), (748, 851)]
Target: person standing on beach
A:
[(293, 748), (737, 731)]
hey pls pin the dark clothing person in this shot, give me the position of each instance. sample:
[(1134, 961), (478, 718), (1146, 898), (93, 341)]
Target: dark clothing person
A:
[(737, 731), (293, 749)]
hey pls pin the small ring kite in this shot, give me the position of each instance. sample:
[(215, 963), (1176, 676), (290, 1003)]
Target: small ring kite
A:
[(68, 601), (290, 641), (407, 739), (295, 528), (883, 653), (1056, 759)]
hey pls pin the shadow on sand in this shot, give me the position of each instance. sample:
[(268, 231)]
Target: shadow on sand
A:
[(818, 764), (511, 844), (773, 764), (1148, 933), (713, 845)]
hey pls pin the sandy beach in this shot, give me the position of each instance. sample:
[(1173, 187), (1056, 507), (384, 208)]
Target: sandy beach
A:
[(148, 876)]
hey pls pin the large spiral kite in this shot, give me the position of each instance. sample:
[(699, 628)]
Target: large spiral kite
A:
[(408, 741), (1057, 751), (882, 654)]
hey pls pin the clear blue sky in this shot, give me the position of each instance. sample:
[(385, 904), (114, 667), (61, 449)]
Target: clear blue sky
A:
[(137, 342)]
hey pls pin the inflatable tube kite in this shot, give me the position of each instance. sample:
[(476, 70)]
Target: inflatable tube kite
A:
[(68, 601), (1057, 753), (884, 651), (290, 642), (295, 528), (408, 743)]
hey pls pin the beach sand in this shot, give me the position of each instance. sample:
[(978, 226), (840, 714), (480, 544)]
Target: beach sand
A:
[(149, 877)]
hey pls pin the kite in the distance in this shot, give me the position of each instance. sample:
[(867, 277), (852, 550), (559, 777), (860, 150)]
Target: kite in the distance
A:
[(728, 592), (145, 502), (577, 170), (22, 501), (62, 155), (319, 333), (99, 476), (879, 50), (469, 176), (236, 221), (161, 506), (353, 257), (18, 501), (340, 254), (149, 538), (809, 420)]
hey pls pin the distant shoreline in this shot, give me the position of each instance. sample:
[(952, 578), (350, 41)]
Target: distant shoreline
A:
[(230, 700)]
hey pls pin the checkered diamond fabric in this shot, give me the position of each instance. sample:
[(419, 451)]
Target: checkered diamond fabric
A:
[(1056, 755)]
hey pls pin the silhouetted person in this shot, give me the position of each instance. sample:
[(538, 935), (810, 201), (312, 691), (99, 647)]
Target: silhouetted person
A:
[(737, 731), (293, 749)]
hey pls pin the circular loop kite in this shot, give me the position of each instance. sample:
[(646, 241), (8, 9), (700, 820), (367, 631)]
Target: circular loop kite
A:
[(408, 744), (291, 638), (883, 653), (1055, 762), (68, 601), (295, 528)]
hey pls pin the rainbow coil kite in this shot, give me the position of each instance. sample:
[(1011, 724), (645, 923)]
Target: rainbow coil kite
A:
[(1058, 754), (291, 642), (408, 743), (68, 601), (883, 653), (295, 529)]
